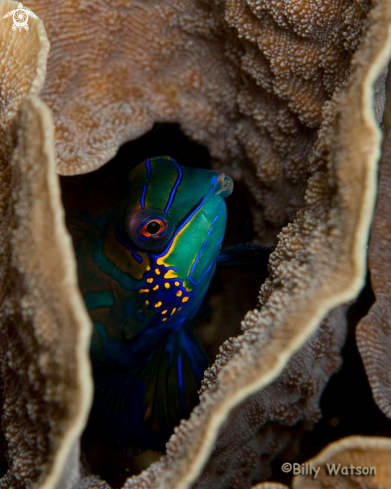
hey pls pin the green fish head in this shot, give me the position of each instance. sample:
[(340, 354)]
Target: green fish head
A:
[(178, 215)]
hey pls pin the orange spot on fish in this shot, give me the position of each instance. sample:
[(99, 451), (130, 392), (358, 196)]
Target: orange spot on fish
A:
[(176, 283), (150, 280), (158, 304), (157, 271), (172, 312), (156, 287), (164, 312), (167, 285), (185, 299), (179, 293), (143, 290), (164, 319)]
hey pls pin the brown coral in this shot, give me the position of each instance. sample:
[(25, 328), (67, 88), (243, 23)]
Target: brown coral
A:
[(274, 67), (356, 461), (349, 454), (44, 367), (374, 331), (253, 82), (268, 420), (270, 485)]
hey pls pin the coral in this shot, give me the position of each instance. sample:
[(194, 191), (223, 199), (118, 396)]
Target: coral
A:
[(274, 67), (282, 94), (270, 485), (91, 482), (260, 425), (22, 71), (374, 331), (42, 356), (358, 451), (47, 385), (345, 456)]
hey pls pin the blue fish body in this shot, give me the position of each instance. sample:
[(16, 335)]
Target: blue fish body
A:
[(144, 267)]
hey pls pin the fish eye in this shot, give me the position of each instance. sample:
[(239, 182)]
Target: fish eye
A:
[(155, 228), (149, 229)]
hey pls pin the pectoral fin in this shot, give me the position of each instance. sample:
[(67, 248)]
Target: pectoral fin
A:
[(246, 256)]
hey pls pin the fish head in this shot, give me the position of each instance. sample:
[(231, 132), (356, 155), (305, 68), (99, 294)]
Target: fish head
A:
[(178, 216)]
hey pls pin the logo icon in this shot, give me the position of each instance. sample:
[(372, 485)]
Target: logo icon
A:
[(20, 17)]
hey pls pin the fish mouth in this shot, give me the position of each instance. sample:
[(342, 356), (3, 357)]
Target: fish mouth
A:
[(226, 185)]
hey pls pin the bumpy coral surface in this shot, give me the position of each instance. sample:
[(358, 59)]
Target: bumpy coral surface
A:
[(282, 94), (42, 354), (374, 331), (261, 424), (246, 79)]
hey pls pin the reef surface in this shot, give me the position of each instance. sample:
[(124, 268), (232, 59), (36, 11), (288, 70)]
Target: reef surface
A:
[(287, 98)]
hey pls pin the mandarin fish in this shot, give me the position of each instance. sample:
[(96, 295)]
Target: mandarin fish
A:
[(144, 267)]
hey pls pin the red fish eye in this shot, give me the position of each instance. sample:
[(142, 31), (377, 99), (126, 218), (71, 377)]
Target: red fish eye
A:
[(153, 228)]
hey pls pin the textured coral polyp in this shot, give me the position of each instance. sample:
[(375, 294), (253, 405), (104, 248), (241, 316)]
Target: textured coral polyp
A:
[(246, 79), (282, 95)]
